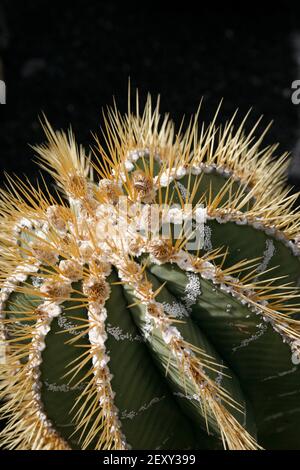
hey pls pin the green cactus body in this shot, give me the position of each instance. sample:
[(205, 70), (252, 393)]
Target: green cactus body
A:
[(182, 337)]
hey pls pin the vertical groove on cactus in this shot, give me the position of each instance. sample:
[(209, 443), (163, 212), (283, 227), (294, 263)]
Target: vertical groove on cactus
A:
[(153, 406), (29, 423), (151, 300), (191, 363)]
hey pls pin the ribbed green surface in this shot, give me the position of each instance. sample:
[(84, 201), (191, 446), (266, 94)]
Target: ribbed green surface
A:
[(184, 388), (243, 241), (246, 242), (59, 393), (150, 416), (156, 405), (209, 186), (254, 351)]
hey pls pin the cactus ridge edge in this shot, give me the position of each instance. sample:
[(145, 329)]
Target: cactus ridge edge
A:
[(114, 339)]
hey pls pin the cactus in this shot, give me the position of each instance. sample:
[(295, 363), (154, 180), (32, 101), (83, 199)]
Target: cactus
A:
[(184, 336)]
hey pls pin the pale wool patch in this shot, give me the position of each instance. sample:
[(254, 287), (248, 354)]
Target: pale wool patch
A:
[(189, 397), (219, 378), (53, 387), (207, 244), (175, 309), (132, 414), (37, 281), (67, 325), (120, 335), (148, 328), (262, 329), (183, 190), (192, 290), (267, 255)]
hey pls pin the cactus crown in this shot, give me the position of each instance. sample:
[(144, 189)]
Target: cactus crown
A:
[(151, 302)]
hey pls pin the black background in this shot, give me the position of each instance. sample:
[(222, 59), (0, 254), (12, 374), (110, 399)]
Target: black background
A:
[(68, 60)]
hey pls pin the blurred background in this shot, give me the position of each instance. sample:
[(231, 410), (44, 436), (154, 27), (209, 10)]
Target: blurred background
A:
[(68, 60)]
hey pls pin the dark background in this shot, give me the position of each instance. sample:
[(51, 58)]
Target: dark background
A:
[(67, 60)]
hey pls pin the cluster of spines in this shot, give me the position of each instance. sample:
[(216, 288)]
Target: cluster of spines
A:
[(190, 361), (65, 232)]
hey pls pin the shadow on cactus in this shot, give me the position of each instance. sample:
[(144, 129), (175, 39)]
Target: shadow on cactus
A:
[(151, 301)]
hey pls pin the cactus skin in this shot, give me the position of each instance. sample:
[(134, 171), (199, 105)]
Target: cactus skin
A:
[(127, 341)]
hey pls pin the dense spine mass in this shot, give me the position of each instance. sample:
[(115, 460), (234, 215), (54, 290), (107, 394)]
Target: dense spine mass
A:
[(119, 337)]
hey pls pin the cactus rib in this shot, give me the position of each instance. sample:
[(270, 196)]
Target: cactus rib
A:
[(115, 337)]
